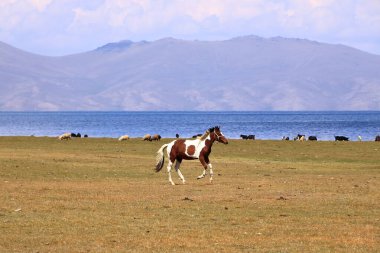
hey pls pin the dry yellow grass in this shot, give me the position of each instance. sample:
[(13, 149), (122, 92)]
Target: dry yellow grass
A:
[(101, 195)]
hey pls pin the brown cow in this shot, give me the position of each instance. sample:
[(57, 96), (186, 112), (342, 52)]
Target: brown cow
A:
[(147, 137), (156, 137)]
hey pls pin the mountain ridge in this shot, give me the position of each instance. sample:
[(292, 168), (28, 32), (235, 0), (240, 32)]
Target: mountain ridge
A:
[(242, 73)]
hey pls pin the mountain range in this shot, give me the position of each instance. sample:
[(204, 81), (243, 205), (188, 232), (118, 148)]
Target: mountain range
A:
[(243, 73)]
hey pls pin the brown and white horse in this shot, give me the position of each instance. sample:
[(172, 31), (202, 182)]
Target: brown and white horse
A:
[(178, 150)]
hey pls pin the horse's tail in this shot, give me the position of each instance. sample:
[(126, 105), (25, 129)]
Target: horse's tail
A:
[(160, 158)]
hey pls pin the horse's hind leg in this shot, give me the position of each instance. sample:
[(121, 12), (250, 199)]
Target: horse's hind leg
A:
[(177, 165), (170, 164)]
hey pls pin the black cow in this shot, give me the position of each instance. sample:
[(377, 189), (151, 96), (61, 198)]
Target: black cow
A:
[(177, 135), (244, 137), (75, 135), (341, 138), (248, 137), (251, 137), (85, 136), (312, 138), (377, 138)]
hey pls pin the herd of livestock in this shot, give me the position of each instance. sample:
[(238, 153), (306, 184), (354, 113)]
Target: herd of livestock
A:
[(302, 137), (157, 137)]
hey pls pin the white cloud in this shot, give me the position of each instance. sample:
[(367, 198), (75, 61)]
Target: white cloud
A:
[(40, 5), (367, 15), (5, 3), (321, 3), (28, 23)]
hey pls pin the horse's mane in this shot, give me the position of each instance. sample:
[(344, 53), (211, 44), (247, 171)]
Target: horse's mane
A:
[(204, 136), (207, 133)]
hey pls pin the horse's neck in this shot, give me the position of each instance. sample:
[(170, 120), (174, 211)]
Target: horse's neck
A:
[(207, 142), (211, 139)]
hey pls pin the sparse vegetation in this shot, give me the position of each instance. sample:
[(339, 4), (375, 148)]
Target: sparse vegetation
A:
[(101, 195)]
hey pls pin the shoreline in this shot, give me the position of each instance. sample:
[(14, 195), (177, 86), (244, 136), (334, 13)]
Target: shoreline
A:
[(173, 138)]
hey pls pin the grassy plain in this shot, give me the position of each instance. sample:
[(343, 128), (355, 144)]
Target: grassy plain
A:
[(101, 195)]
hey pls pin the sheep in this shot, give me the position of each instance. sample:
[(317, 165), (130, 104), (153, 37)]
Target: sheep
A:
[(65, 136), (124, 138), (147, 137)]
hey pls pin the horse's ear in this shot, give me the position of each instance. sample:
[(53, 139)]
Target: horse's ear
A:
[(211, 129)]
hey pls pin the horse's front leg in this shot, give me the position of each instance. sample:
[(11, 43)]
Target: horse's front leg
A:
[(211, 172), (210, 167), (202, 159)]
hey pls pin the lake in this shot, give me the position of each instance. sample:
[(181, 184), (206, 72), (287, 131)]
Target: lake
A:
[(265, 125)]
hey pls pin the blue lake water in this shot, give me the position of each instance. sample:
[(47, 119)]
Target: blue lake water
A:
[(265, 125)]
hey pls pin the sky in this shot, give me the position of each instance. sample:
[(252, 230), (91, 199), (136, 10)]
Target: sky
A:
[(61, 27)]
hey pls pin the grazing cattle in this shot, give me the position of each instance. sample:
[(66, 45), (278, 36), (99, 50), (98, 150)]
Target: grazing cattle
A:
[(73, 135), (85, 136), (124, 138), (181, 149), (251, 137), (65, 136), (285, 138), (312, 138), (247, 137), (341, 138), (79, 135), (244, 137), (156, 137), (147, 137), (300, 137), (177, 136), (377, 138)]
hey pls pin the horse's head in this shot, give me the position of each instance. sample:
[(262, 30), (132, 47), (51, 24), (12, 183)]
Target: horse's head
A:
[(218, 135)]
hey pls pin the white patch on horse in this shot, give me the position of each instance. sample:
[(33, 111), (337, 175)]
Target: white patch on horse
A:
[(198, 144)]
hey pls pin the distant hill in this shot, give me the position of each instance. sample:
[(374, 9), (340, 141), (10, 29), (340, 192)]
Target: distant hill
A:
[(244, 73)]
